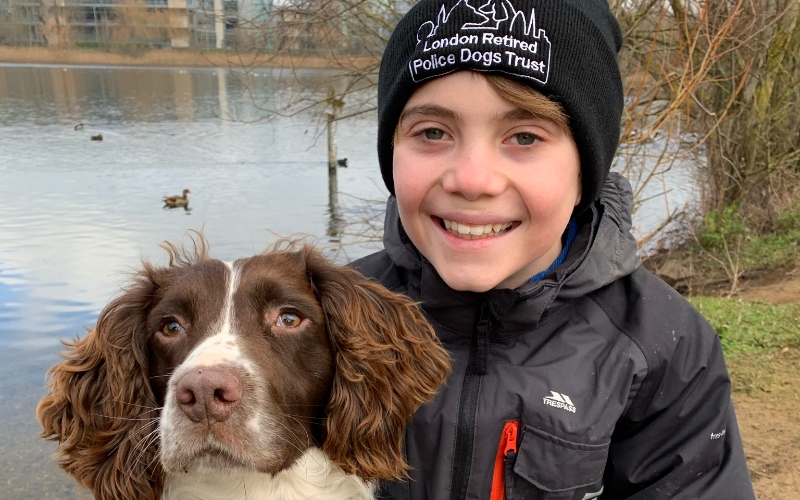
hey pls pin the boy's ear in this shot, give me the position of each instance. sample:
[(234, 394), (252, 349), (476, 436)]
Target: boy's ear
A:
[(580, 188)]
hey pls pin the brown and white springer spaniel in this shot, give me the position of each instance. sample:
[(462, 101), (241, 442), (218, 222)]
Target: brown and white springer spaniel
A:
[(277, 376)]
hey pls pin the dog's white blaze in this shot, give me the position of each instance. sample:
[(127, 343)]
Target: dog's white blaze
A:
[(222, 346), (227, 307), (214, 350)]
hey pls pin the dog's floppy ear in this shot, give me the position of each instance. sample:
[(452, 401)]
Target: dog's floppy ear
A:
[(388, 363), (101, 409)]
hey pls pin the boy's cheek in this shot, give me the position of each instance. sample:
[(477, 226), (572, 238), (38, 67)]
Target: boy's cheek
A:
[(403, 170)]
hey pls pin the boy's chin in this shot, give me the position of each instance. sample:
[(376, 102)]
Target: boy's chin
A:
[(471, 283), (468, 287)]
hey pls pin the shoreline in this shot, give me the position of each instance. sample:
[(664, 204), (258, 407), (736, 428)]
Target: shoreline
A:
[(175, 58)]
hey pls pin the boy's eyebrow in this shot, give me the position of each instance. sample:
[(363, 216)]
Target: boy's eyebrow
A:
[(435, 110), (524, 114), (519, 114), (428, 110)]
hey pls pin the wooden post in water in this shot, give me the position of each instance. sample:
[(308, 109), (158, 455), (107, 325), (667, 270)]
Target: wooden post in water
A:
[(335, 109)]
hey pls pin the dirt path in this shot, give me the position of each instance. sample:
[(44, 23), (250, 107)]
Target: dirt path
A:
[(769, 420), (771, 434)]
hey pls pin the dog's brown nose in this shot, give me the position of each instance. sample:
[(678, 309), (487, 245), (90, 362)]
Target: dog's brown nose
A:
[(208, 394)]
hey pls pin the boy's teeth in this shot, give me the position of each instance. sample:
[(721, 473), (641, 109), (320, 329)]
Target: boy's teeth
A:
[(475, 231)]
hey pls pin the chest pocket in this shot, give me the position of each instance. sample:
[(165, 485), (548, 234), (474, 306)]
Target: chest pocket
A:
[(550, 468)]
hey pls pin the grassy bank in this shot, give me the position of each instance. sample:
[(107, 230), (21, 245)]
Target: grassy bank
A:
[(172, 58), (761, 340), (726, 250), (731, 238), (758, 338)]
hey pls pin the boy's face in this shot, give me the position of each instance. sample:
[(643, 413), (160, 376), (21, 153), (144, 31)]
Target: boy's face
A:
[(466, 158)]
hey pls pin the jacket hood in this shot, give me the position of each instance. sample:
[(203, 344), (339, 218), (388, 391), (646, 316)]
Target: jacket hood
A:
[(603, 251)]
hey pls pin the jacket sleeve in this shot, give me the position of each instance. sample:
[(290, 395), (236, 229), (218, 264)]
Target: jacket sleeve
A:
[(679, 438)]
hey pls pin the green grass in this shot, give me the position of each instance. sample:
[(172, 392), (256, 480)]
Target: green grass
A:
[(754, 336), (761, 341), (725, 236), (747, 328)]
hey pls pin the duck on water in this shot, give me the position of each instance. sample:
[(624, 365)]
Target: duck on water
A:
[(177, 201)]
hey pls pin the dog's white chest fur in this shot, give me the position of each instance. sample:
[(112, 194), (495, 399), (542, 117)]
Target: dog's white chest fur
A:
[(313, 476)]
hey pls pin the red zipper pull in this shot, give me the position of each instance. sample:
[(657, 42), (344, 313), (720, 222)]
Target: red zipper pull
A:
[(510, 434), (508, 443)]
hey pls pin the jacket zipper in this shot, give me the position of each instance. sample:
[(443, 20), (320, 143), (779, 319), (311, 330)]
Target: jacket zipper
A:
[(467, 406), (502, 484)]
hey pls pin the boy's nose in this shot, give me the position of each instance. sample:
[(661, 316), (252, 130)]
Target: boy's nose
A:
[(474, 175)]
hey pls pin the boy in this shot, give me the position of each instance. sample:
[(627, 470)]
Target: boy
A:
[(576, 373)]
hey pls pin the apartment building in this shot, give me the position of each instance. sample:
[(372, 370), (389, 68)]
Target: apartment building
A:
[(286, 25), (208, 24)]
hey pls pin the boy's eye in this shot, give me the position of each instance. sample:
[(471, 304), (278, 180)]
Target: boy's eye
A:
[(433, 134), (524, 138)]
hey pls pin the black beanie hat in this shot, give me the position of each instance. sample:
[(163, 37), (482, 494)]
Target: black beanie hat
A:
[(565, 49)]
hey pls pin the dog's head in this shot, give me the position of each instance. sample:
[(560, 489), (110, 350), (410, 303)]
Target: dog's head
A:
[(203, 365)]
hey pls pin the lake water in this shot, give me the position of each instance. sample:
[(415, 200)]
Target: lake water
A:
[(76, 214)]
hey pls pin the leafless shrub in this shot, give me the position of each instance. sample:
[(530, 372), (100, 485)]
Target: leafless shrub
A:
[(712, 83), (725, 71)]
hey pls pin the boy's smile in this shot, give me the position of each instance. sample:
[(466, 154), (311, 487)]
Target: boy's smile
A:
[(475, 232), (484, 188)]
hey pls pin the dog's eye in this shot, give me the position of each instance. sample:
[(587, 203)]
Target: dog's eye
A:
[(289, 320), (172, 329)]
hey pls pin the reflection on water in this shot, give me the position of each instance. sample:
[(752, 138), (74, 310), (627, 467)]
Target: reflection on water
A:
[(76, 215)]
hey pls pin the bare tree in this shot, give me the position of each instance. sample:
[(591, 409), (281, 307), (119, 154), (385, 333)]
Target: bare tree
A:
[(711, 82), (723, 74), (726, 72), (136, 26), (54, 27)]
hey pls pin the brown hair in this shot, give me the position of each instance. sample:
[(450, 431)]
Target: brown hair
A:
[(527, 98), (531, 100)]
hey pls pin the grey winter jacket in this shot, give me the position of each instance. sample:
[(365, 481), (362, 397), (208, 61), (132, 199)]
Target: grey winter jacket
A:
[(599, 381)]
